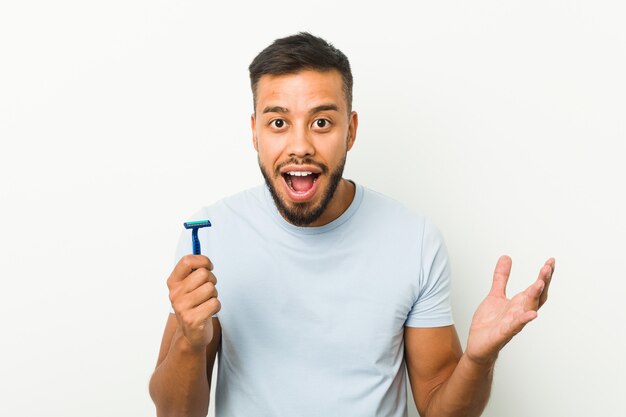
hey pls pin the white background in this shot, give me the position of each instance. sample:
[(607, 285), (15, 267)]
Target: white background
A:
[(502, 121)]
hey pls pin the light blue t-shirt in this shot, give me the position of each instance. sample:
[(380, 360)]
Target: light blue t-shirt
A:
[(312, 317)]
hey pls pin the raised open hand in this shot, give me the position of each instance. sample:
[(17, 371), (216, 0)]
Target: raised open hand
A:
[(498, 318)]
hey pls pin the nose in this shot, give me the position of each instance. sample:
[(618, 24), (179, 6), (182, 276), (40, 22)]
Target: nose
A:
[(299, 143)]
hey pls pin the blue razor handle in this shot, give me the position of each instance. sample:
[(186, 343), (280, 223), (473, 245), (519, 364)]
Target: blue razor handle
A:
[(194, 226)]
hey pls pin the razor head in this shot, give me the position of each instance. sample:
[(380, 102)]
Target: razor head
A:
[(197, 224)]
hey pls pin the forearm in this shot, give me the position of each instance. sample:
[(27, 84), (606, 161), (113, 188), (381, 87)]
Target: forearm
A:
[(179, 385), (465, 393)]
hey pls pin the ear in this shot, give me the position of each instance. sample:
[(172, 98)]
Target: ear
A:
[(254, 138), (353, 124)]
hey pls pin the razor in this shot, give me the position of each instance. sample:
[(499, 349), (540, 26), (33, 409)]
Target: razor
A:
[(194, 226)]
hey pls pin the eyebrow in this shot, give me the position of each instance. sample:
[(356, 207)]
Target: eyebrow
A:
[(323, 107), (275, 109)]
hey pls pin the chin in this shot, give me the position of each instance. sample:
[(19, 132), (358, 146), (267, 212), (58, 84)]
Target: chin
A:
[(303, 212)]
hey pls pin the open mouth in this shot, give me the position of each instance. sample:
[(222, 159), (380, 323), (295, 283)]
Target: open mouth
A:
[(300, 182)]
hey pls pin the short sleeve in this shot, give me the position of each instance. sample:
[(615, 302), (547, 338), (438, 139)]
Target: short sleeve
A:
[(432, 306)]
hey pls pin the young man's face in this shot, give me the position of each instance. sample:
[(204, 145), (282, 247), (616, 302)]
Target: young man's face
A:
[(302, 132)]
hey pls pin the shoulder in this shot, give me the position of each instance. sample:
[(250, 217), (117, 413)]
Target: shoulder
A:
[(388, 210), (251, 196), (231, 217), (242, 201), (393, 219)]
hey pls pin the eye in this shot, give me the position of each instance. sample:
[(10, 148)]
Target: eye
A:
[(321, 123), (278, 123)]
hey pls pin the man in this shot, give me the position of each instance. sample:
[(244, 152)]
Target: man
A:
[(327, 289)]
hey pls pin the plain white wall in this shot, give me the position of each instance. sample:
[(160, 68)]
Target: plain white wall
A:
[(503, 121)]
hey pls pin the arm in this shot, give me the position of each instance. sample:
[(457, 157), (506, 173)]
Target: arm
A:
[(443, 381), (182, 378), (446, 383)]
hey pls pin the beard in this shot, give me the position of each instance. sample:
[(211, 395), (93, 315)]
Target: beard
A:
[(303, 213)]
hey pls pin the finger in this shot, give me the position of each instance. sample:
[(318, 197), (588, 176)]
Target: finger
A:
[(196, 279), (529, 298), (186, 265), (194, 298), (178, 293), (534, 294), (202, 313), (198, 316), (501, 276), (545, 274), (201, 294), (209, 308), (517, 324)]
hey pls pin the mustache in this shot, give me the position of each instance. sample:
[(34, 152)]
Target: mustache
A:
[(303, 161)]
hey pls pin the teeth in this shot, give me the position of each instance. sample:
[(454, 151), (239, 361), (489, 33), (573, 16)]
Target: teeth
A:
[(299, 173)]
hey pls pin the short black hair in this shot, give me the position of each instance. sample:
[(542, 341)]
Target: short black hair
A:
[(299, 52)]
